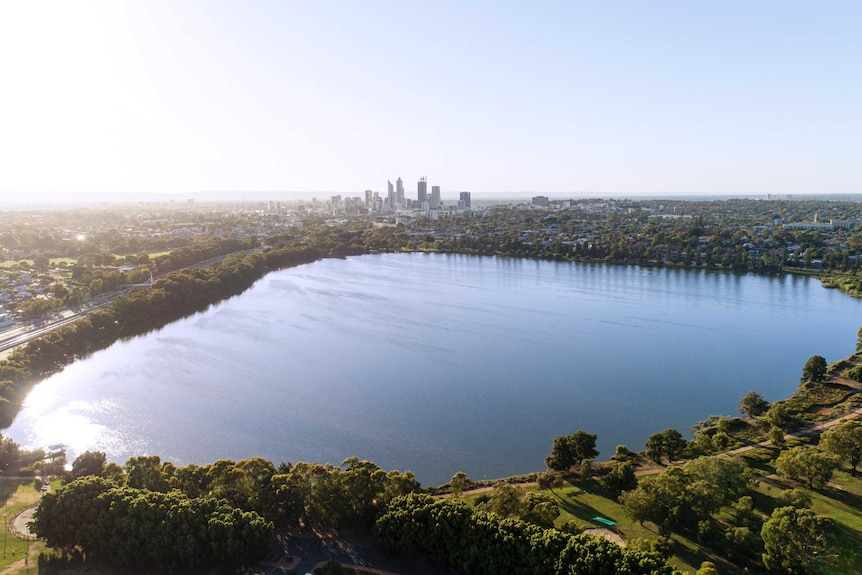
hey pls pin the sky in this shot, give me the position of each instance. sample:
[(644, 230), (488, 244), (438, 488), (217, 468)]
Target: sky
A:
[(583, 97)]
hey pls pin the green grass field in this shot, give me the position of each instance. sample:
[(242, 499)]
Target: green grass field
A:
[(16, 495), (841, 500)]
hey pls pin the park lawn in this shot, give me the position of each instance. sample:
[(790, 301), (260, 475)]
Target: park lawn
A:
[(16, 495), (841, 501), (582, 500)]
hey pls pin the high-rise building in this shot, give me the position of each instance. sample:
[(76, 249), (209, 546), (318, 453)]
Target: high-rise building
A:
[(399, 193), (464, 200), (368, 198), (390, 194), (435, 196), (422, 196)]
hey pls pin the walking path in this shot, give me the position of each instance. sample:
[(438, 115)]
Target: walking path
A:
[(810, 430), (650, 469)]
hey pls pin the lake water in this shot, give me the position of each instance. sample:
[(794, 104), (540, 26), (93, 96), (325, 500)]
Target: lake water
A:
[(440, 363)]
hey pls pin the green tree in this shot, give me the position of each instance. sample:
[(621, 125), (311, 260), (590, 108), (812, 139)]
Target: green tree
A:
[(570, 450), (845, 441), (459, 483), (621, 478), (505, 500), (550, 479), (89, 463), (655, 447), (776, 436), (814, 369), (539, 509), (752, 404), (144, 472), (707, 568), (586, 469), (660, 499), (674, 443), (795, 541), (809, 463)]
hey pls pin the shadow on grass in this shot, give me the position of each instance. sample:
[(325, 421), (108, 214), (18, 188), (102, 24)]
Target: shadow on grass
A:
[(850, 499), (8, 488)]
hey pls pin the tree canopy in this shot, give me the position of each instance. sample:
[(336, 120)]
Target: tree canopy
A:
[(814, 369), (752, 404), (570, 450)]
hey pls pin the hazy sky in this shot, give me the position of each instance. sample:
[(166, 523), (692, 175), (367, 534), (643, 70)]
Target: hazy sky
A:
[(713, 97)]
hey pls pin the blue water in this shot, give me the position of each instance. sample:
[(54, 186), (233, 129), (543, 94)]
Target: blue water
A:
[(440, 363)]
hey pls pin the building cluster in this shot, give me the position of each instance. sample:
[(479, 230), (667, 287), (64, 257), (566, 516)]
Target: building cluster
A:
[(394, 201)]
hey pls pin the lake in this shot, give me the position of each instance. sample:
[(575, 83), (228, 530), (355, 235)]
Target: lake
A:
[(440, 363)]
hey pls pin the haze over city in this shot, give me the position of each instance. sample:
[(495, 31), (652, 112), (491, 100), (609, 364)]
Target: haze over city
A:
[(586, 98)]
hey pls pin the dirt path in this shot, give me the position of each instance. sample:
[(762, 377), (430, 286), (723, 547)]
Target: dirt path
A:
[(810, 430)]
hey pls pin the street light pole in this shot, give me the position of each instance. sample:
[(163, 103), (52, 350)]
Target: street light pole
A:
[(5, 529)]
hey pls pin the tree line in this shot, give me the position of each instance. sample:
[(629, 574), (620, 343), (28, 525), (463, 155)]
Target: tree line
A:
[(453, 534), (172, 297)]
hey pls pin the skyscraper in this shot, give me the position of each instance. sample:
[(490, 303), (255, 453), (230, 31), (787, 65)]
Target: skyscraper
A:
[(464, 200), (390, 194), (368, 198), (435, 196), (422, 197), (399, 192)]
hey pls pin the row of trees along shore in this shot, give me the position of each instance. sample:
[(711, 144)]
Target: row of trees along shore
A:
[(171, 297), (150, 514), (190, 517), (355, 494)]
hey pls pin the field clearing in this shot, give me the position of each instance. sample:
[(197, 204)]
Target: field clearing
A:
[(17, 495)]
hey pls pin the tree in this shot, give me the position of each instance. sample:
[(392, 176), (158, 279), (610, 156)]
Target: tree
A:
[(707, 568), (459, 483), (89, 463), (505, 500), (621, 478), (540, 509), (752, 404), (674, 443), (814, 369), (549, 479), (586, 469), (807, 462), (845, 441), (144, 472), (655, 447), (658, 498), (776, 436), (569, 450), (795, 540)]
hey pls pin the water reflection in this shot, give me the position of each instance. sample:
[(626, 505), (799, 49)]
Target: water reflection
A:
[(442, 363)]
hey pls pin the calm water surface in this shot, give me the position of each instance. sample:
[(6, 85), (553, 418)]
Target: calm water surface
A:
[(440, 363)]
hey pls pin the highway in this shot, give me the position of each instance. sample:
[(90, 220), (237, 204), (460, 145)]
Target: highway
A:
[(23, 332)]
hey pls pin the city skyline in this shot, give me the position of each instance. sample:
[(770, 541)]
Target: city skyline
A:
[(578, 98)]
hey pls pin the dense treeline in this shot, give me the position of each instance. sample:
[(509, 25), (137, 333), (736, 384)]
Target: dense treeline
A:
[(145, 529), (739, 236), (171, 297), (153, 514), (477, 543), (302, 494)]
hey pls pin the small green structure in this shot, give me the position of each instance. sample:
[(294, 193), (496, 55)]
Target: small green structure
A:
[(604, 521)]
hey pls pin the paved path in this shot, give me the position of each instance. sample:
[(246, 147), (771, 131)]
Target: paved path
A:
[(18, 524), (810, 430)]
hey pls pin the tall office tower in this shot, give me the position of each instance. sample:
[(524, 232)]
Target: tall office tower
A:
[(368, 198), (423, 191), (464, 198), (390, 194), (399, 192), (435, 196)]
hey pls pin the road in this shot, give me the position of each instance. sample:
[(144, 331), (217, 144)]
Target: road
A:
[(22, 333)]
